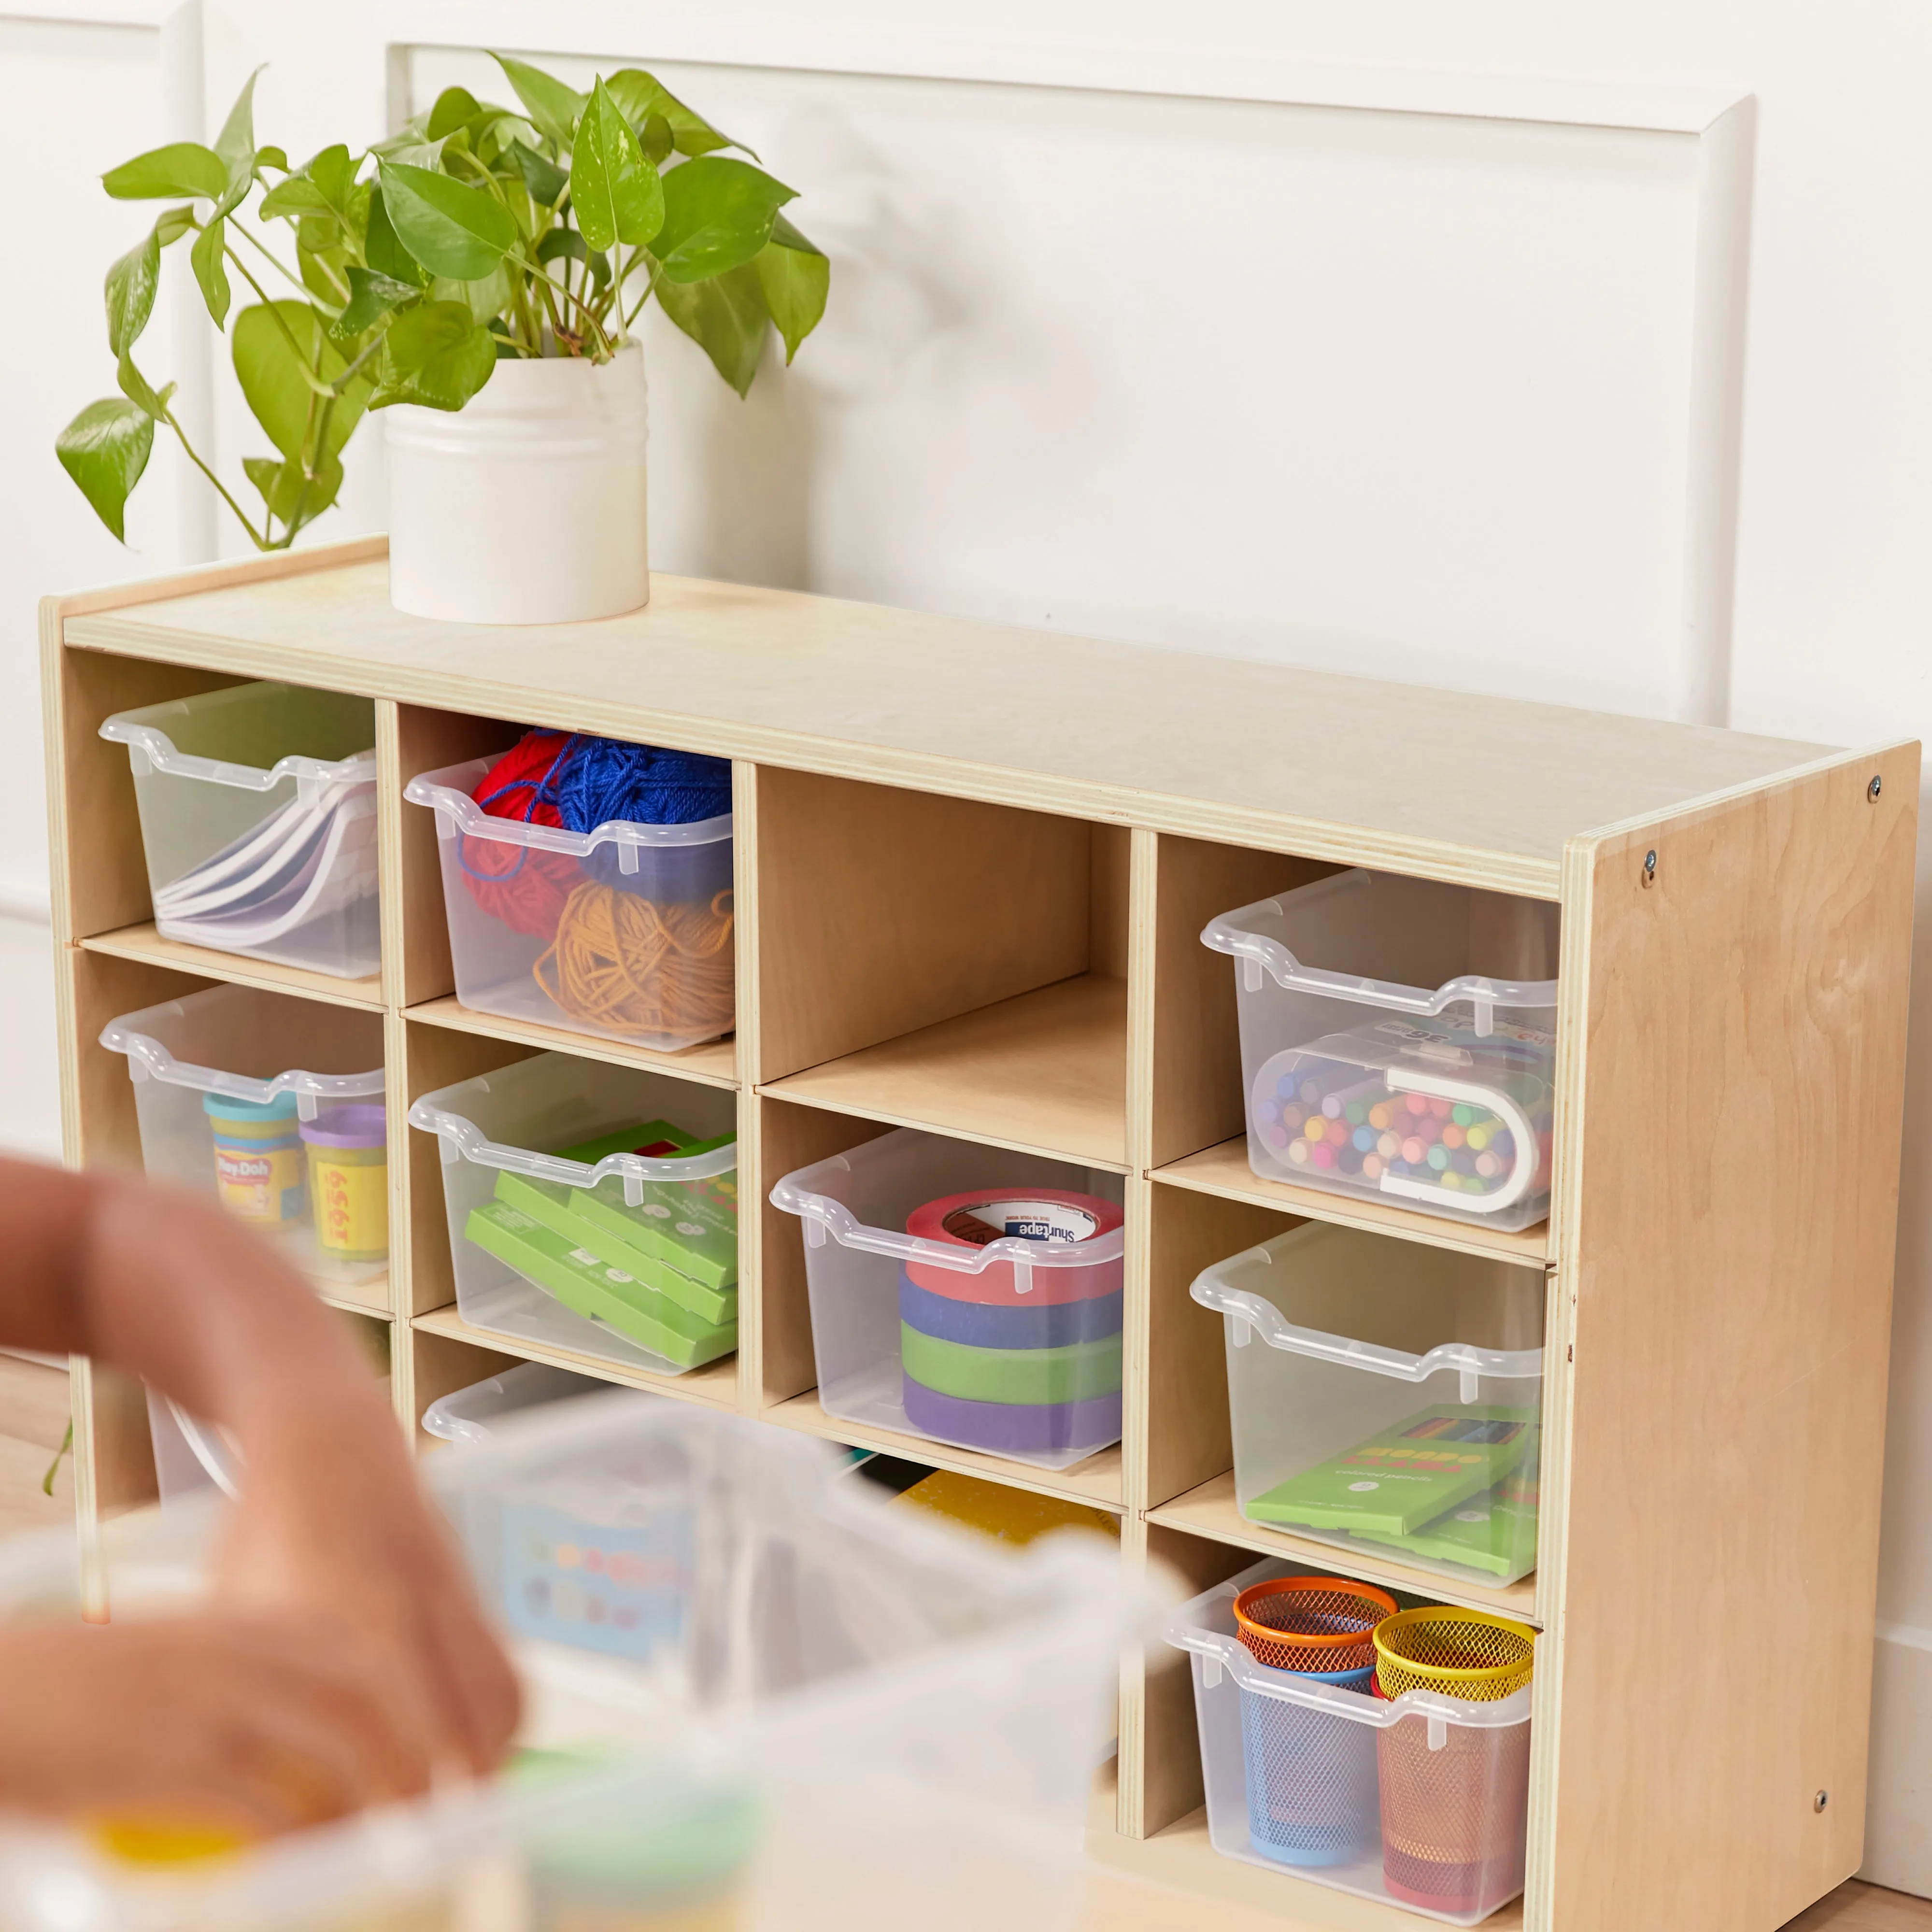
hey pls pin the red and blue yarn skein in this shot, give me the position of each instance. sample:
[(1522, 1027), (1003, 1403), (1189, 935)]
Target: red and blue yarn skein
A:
[(524, 888)]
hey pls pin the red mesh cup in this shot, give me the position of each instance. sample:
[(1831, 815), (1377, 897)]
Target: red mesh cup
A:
[(1320, 1624)]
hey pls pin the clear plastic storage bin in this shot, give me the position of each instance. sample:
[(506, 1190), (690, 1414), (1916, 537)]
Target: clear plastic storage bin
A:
[(625, 931), (1378, 1055), (477, 1414), (593, 1208), (818, 1712), (965, 1293), (1421, 1801), (300, 1153), (258, 818), (1386, 1396)]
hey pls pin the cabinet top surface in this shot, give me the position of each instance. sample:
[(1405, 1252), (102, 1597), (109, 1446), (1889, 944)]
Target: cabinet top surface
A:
[(1434, 781)]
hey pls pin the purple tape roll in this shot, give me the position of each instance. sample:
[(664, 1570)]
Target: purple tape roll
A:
[(1013, 1429)]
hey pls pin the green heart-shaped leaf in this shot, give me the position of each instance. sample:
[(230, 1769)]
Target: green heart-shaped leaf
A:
[(371, 297), (130, 289), (725, 316), (552, 106), (719, 213), (437, 355), (450, 229), (796, 278), (544, 179), (614, 191), (292, 497), (275, 387), (182, 167), (454, 106), (641, 95), (387, 255), (104, 449), (235, 143), (210, 271)]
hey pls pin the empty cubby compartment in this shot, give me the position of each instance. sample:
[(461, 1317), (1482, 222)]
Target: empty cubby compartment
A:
[(593, 1207), (966, 1293), (1386, 1396), (258, 822), (1398, 1040)]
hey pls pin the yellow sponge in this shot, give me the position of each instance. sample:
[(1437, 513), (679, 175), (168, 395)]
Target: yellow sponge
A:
[(995, 1510)]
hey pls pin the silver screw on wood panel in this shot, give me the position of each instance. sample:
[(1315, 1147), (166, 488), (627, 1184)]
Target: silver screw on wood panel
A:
[(1650, 869), (1873, 790), (1824, 1797)]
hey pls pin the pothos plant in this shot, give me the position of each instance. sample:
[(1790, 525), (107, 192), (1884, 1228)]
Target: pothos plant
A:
[(478, 234)]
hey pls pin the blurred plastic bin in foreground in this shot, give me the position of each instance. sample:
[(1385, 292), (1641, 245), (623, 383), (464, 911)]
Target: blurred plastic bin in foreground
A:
[(837, 1715)]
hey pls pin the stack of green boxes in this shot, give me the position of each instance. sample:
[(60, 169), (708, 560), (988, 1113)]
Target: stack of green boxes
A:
[(663, 1273)]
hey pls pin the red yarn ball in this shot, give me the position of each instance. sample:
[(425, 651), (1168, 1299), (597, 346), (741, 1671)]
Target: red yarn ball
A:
[(519, 885)]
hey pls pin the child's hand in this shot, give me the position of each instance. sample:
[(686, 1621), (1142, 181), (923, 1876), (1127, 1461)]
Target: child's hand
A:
[(256, 1723), (337, 1525)]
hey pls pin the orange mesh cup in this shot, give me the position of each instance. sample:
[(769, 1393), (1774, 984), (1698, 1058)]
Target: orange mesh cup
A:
[(1320, 1624), (1454, 1810)]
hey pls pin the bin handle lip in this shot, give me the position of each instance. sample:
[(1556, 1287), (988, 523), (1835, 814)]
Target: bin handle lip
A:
[(476, 1147), (1229, 933), (793, 1196), (1289, 1686), (1463, 1357), (473, 822), (159, 748), (155, 1060)]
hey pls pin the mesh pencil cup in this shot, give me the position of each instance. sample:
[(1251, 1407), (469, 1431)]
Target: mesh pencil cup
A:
[(1454, 1801), (1311, 1775)]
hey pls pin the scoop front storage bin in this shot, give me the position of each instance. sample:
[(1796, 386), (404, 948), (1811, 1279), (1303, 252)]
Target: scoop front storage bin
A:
[(1420, 1801), (1386, 1396), (818, 1711), (258, 822), (593, 1207), (1380, 1056), (625, 931), (965, 1293), (477, 1414), (274, 1105)]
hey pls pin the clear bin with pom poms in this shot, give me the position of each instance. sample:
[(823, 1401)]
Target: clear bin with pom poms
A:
[(622, 929)]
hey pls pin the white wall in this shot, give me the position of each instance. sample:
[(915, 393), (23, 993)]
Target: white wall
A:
[(1406, 394)]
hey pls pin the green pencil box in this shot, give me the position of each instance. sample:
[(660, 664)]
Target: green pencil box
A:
[(555, 1205), (691, 1225), (1494, 1532), (1406, 1476), (581, 1282)]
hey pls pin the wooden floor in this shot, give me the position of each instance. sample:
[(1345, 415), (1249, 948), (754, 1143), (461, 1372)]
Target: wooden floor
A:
[(1119, 1904)]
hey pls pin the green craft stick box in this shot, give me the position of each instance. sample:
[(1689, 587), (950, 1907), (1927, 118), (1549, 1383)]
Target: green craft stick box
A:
[(1494, 1532), (691, 1225), (581, 1282), (1406, 1476)]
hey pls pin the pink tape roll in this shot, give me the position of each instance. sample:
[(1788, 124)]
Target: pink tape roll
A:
[(1049, 1213)]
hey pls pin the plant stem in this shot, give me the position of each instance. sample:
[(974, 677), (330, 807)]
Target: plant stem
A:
[(583, 309), (310, 376), (259, 539), (288, 275)]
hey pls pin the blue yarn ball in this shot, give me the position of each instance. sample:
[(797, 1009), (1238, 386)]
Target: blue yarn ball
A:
[(603, 779)]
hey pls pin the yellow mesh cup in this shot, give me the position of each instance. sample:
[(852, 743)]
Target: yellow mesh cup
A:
[(1465, 1654)]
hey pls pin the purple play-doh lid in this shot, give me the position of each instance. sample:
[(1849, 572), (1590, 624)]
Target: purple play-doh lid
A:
[(365, 1126)]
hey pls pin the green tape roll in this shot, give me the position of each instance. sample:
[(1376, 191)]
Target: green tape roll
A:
[(1074, 1373)]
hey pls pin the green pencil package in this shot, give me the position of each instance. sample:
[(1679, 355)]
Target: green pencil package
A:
[(581, 1282), (1406, 1476), (1494, 1532), (691, 1225)]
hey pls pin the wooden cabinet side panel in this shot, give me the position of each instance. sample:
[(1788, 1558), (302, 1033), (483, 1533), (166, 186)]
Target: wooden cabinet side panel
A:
[(1727, 1236)]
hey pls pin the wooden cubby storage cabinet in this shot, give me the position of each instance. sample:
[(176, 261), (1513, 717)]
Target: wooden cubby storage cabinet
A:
[(973, 864)]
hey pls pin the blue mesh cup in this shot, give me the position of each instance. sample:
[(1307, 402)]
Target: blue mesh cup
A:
[(1311, 1775)]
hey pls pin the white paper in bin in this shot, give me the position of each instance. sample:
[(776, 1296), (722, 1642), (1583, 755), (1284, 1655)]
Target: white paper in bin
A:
[(870, 1720)]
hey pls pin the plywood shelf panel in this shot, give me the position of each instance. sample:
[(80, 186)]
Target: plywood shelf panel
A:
[(1211, 1510), (714, 1063), (1173, 740), (359, 1297), (1045, 1073), (714, 1386), (1096, 1481), (1224, 1170), (142, 942)]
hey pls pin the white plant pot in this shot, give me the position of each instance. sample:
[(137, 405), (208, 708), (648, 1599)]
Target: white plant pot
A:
[(527, 505)]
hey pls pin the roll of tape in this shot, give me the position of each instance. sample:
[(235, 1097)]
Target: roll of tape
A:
[(1014, 1376), (1031, 1324), (1014, 1429), (973, 1220)]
